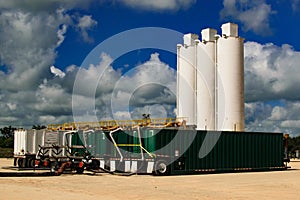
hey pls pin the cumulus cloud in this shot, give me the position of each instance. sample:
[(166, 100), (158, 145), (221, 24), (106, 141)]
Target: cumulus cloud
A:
[(151, 85), (159, 5), (254, 15), (25, 50), (26, 54), (61, 34), (86, 23), (57, 72), (282, 116), (37, 5), (147, 88), (271, 72), (271, 88)]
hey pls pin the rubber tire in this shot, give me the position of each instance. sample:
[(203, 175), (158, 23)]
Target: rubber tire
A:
[(22, 163), (31, 162), (79, 170), (161, 168), (95, 164)]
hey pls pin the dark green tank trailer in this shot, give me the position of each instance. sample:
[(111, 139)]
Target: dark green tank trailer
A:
[(211, 151), (181, 151)]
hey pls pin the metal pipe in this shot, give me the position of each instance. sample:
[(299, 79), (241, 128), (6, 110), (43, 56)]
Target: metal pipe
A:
[(62, 168), (178, 81), (216, 83), (64, 140), (195, 83), (85, 136), (140, 141), (115, 144)]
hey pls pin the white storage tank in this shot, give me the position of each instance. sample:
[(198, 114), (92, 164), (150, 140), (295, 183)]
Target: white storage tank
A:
[(27, 141), (206, 80), (186, 79), (230, 83)]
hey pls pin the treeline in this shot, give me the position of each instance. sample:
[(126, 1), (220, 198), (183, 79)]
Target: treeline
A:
[(294, 144), (7, 137)]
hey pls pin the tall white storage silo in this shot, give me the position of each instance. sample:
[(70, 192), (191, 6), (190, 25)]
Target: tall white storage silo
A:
[(186, 79), (230, 82), (206, 80)]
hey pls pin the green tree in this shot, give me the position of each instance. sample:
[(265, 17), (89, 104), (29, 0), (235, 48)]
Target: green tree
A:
[(294, 144), (38, 127), (7, 138)]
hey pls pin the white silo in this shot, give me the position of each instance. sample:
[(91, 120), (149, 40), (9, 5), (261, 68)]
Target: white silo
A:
[(205, 91), (230, 81), (186, 79)]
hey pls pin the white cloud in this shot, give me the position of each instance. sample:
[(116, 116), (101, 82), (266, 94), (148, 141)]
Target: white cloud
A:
[(25, 50), (25, 55), (145, 88), (37, 5), (283, 116), (61, 34), (57, 72), (86, 23), (271, 88), (149, 85), (278, 113), (12, 106), (254, 15), (31, 31), (159, 5), (271, 72)]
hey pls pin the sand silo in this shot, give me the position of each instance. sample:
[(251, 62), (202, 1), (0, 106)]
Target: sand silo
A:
[(230, 81), (186, 79), (210, 79), (205, 91)]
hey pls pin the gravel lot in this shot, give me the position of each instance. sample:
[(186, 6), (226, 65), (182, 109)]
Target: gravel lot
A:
[(250, 185)]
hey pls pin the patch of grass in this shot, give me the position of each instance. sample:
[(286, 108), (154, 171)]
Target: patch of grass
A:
[(6, 152)]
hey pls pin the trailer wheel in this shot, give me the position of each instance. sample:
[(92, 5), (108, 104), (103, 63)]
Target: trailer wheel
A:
[(22, 162), (79, 170), (161, 168), (31, 162), (95, 165)]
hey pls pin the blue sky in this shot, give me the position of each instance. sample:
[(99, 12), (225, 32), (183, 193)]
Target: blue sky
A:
[(44, 43)]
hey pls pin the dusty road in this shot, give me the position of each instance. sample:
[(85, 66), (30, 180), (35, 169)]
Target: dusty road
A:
[(253, 185)]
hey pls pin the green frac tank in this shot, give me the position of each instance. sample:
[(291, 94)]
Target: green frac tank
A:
[(187, 151), (190, 151)]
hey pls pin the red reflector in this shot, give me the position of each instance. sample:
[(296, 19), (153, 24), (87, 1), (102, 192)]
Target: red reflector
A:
[(37, 163), (46, 163), (81, 164)]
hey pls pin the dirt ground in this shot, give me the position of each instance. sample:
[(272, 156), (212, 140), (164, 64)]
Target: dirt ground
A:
[(250, 185)]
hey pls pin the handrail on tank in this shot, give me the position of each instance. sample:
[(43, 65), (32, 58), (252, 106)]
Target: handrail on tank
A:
[(130, 145), (85, 136), (115, 144), (112, 124), (65, 140)]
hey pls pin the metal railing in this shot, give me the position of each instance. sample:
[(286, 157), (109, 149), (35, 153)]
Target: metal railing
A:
[(113, 124)]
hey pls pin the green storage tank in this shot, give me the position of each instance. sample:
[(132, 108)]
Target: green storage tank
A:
[(189, 151), (77, 140), (183, 151), (98, 142), (127, 141)]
